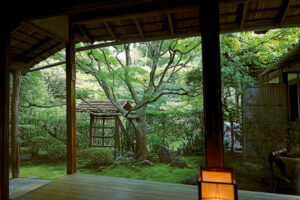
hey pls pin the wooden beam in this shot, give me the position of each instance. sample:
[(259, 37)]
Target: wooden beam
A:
[(109, 29), (139, 28), (28, 60), (35, 47), (171, 26), (284, 10), (71, 103), (46, 32), (4, 112), (127, 41), (212, 83), (100, 18), (243, 15), (85, 33), (47, 66)]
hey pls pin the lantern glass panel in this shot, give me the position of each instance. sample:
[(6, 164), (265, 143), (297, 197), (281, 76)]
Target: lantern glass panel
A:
[(216, 191)]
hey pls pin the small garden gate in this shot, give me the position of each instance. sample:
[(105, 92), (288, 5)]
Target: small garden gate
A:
[(104, 122)]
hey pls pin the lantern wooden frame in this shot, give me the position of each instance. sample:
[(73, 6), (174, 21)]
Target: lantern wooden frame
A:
[(220, 180)]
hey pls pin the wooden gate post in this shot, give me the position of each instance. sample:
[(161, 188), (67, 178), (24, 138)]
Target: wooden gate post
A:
[(117, 135), (92, 121), (209, 20), (71, 103), (4, 112)]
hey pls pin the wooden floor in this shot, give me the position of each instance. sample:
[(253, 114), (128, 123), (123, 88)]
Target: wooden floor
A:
[(91, 187), (20, 186)]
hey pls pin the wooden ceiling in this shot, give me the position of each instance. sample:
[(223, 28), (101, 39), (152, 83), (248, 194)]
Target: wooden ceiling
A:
[(31, 44)]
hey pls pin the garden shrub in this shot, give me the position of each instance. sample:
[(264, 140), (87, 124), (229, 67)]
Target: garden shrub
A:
[(155, 143), (57, 151), (97, 156)]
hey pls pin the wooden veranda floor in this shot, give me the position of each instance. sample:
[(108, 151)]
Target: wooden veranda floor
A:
[(91, 187)]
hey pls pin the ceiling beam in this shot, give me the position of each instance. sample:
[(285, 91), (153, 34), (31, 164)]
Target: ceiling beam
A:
[(21, 56), (46, 32), (171, 26), (85, 32), (47, 66), (127, 41), (96, 18), (139, 28), (283, 11), (43, 52), (16, 41), (109, 29), (243, 15)]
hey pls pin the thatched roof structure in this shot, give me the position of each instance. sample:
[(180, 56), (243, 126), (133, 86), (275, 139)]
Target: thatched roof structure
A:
[(101, 106)]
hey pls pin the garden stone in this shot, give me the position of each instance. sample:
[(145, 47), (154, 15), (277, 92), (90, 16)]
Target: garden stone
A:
[(165, 154), (129, 154), (99, 169), (25, 156), (192, 180), (147, 163), (119, 158), (178, 162), (130, 159)]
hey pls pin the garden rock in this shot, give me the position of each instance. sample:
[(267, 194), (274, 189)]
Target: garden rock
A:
[(288, 169), (147, 163), (25, 156), (192, 180), (119, 158), (129, 154), (130, 159), (178, 162), (165, 154)]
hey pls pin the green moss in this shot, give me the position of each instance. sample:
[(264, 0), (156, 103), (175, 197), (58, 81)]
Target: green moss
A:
[(247, 178), (42, 169)]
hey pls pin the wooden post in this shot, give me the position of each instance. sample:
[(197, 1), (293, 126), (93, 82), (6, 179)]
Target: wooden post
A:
[(15, 151), (117, 135), (91, 129), (209, 20), (4, 112), (71, 103), (103, 130)]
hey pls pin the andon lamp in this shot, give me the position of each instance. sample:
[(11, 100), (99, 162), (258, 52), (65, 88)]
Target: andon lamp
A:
[(217, 184)]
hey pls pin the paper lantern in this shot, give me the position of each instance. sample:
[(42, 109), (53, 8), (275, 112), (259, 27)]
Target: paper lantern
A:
[(217, 184)]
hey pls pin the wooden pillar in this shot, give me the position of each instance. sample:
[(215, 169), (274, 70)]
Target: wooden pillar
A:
[(4, 113), (117, 135), (103, 130), (209, 20), (15, 151), (289, 135), (92, 121), (71, 103)]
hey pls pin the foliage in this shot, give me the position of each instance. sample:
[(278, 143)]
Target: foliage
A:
[(96, 157), (57, 151), (173, 120)]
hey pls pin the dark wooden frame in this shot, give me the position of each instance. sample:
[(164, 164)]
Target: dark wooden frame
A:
[(213, 116), (217, 170), (71, 103), (116, 128), (4, 113)]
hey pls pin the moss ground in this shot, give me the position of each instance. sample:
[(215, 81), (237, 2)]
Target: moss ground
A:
[(247, 178)]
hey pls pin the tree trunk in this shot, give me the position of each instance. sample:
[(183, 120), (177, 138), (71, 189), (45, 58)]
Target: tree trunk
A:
[(140, 127), (15, 151), (232, 133)]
